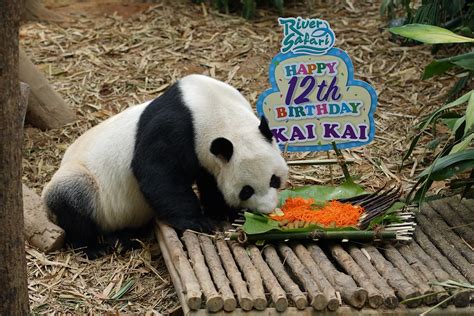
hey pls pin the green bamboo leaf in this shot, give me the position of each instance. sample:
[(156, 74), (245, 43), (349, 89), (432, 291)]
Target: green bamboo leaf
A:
[(445, 107), (449, 165), (123, 290), (323, 192), (429, 34), (464, 144), (469, 115)]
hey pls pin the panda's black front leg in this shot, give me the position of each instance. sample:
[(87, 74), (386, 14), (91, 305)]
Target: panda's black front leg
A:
[(211, 197), (172, 198)]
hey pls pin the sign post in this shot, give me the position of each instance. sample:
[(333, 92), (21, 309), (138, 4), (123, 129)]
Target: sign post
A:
[(314, 100)]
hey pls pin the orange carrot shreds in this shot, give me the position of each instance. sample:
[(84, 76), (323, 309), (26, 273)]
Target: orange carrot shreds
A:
[(332, 213)]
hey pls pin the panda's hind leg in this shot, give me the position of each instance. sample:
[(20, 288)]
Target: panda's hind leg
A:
[(71, 198)]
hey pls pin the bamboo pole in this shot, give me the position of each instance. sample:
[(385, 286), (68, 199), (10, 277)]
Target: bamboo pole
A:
[(463, 229), (423, 271), (344, 284), (392, 254), (445, 232), (214, 301), (444, 246), (316, 297), (294, 292), (390, 299), (278, 295), (218, 273), (238, 284), (394, 277), (189, 282), (251, 274), (316, 235), (323, 284), (375, 298)]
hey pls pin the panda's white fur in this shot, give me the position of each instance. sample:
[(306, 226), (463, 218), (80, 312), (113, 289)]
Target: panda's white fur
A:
[(96, 171)]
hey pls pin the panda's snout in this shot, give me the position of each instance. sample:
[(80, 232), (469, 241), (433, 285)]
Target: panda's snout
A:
[(268, 202)]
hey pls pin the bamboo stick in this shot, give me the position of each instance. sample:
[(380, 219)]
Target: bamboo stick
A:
[(439, 264), (392, 254), (350, 292), (390, 299), (423, 271), (316, 297), (375, 298), (394, 277), (278, 295), (318, 276), (447, 232), (218, 273), (452, 217), (214, 301), (178, 256), (177, 282), (444, 246), (238, 284), (318, 234), (254, 281), (294, 292)]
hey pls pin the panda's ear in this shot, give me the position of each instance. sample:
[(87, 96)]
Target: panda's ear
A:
[(265, 129), (222, 148)]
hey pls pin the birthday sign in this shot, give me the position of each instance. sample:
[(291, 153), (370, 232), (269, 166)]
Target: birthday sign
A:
[(314, 99)]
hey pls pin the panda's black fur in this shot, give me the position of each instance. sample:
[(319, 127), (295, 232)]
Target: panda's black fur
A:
[(144, 161)]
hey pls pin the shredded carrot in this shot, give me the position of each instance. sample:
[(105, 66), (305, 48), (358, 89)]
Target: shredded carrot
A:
[(332, 213)]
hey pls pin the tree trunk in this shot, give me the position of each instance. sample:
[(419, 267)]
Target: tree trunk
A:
[(14, 293)]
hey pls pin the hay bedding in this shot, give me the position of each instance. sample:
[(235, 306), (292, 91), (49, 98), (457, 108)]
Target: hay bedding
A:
[(102, 63)]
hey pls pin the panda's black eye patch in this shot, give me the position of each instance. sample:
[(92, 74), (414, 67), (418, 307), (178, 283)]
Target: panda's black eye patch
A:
[(246, 192), (275, 182)]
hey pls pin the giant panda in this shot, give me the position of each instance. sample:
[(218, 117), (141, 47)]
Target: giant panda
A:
[(143, 162)]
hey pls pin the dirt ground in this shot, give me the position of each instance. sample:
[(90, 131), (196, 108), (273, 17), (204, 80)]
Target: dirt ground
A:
[(110, 55)]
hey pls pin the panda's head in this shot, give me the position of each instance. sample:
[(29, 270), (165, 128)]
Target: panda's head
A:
[(251, 169)]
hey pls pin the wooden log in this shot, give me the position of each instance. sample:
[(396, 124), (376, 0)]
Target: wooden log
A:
[(278, 295), (39, 231), (395, 279), (439, 264), (238, 284), (316, 297), (423, 272), (218, 273), (445, 247), (318, 276), (46, 108), (390, 299), (251, 274), (446, 232), (375, 298), (294, 292), (344, 284), (214, 301), (465, 230), (392, 254), (190, 284), (178, 285), (464, 208)]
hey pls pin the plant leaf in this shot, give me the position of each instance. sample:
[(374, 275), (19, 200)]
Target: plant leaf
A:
[(445, 107), (439, 66), (429, 34), (258, 223), (463, 144), (449, 165), (323, 192), (469, 115)]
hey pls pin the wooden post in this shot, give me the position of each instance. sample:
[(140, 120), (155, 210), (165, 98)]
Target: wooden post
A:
[(14, 293)]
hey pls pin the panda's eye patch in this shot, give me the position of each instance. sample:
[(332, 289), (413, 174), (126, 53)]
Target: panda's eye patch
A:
[(246, 192), (275, 182)]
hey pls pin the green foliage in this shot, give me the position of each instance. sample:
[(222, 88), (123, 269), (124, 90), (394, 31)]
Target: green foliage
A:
[(430, 34)]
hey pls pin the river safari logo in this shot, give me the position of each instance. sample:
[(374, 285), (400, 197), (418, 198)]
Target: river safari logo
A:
[(314, 99)]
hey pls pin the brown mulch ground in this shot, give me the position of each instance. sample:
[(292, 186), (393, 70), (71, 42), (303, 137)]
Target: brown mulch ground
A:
[(101, 62)]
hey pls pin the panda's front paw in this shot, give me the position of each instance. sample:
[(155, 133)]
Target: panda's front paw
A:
[(201, 224)]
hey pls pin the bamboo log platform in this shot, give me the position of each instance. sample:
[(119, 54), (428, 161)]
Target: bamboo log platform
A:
[(218, 277)]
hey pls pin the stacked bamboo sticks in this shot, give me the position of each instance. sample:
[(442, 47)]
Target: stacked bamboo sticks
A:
[(217, 274)]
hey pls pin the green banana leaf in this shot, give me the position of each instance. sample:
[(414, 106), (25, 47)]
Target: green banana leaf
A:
[(429, 34), (323, 192)]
